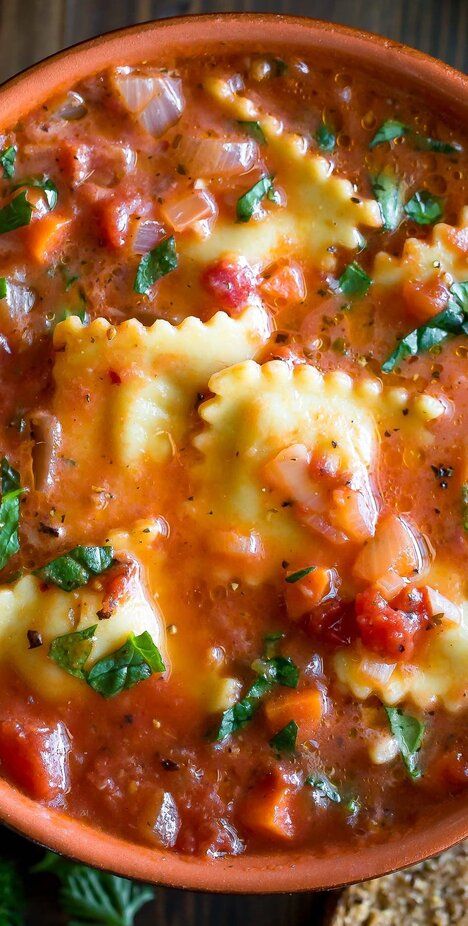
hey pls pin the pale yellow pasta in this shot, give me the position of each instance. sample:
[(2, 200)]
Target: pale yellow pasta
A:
[(438, 256)]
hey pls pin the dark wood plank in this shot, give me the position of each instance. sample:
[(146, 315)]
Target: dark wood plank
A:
[(439, 28)]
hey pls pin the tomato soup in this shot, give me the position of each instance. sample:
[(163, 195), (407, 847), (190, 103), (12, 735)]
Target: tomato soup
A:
[(234, 476)]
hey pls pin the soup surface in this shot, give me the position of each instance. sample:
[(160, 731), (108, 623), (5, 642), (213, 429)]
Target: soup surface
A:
[(233, 419)]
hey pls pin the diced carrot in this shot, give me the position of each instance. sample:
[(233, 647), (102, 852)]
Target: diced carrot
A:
[(425, 298), (267, 809), (308, 592), (354, 511), (304, 707), (285, 285), (45, 234)]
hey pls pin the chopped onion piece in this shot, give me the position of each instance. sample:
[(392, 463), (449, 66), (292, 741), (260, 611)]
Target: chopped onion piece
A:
[(72, 107), (155, 98), (167, 824), (378, 671), (188, 209), (215, 157), (47, 438), (19, 299), (442, 606), (147, 236), (397, 545)]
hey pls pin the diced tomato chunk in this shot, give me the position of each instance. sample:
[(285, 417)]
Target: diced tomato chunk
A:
[(332, 621), (230, 282), (35, 757), (425, 298), (390, 629)]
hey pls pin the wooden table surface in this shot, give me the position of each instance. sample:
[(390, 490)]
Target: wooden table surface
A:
[(32, 29)]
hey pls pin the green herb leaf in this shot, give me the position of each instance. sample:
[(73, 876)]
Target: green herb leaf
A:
[(387, 191), (285, 740), (9, 512), (41, 183), (387, 132), (95, 898), (279, 670), (68, 278), (12, 895), (15, 214), (247, 203), (354, 280), (451, 321), (300, 574), (253, 129), (7, 162), (325, 137), (323, 786), (424, 208), (71, 651), (408, 732), (3, 287), (76, 568), (425, 143), (270, 641), (464, 502), (135, 661), (60, 316), (156, 264)]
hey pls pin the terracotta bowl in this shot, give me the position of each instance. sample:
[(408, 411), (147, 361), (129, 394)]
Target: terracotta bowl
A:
[(301, 870)]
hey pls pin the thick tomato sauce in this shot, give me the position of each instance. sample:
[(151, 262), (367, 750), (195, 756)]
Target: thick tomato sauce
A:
[(146, 762)]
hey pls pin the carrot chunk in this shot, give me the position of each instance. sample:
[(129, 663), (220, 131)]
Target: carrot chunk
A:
[(305, 594), (266, 809), (44, 235), (304, 707)]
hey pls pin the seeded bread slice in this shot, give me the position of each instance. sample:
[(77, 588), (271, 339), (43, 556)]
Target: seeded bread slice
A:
[(434, 893)]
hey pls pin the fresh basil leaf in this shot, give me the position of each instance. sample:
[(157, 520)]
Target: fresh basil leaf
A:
[(7, 162), (451, 321), (247, 204), (270, 641), (425, 143), (15, 214), (72, 650), (41, 183), (325, 137), (3, 288), (9, 512), (408, 732), (388, 131), (135, 661), (156, 264), (76, 568), (94, 898), (300, 574), (237, 716), (285, 740), (279, 670), (387, 191), (321, 784), (68, 278), (253, 129), (78, 312), (464, 503), (354, 280), (424, 208)]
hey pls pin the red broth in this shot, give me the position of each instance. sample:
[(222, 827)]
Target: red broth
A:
[(306, 680)]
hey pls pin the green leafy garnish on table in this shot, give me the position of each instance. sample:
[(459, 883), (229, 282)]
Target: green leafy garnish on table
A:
[(387, 191), (284, 741), (95, 898), (9, 512), (156, 264), (453, 320), (408, 732), (71, 651), (15, 214), (12, 895), (278, 670), (253, 129), (392, 128), (325, 137), (7, 162), (248, 202), (424, 208), (320, 783), (354, 281), (134, 662), (77, 567)]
